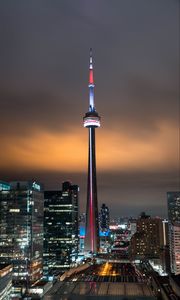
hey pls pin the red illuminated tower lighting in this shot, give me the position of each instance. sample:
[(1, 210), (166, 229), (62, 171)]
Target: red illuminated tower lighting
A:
[(91, 121)]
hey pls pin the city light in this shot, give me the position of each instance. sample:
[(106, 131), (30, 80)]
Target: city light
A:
[(118, 237)]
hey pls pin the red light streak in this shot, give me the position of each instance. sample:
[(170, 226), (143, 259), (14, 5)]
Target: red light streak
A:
[(91, 81)]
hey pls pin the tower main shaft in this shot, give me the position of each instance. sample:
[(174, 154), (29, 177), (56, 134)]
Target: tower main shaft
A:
[(91, 121)]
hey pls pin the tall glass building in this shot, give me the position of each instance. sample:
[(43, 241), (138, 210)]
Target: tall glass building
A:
[(60, 229), (21, 232)]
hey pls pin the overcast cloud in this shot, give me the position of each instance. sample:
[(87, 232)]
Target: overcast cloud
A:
[(44, 95)]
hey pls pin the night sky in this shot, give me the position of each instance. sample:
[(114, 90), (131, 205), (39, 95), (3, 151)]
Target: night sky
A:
[(44, 56)]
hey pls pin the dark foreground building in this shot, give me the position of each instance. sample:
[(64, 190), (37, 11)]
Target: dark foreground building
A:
[(91, 121), (60, 229), (21, 232)]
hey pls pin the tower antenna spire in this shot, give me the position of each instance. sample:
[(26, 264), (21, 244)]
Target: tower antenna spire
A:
[(91, 83), (90, 54)]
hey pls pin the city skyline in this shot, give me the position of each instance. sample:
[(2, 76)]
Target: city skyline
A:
[(44, 94)]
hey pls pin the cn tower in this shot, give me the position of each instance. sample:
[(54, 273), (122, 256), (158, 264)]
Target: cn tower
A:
[(91, 121)]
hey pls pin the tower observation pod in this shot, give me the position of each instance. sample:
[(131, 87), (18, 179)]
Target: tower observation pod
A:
[(91, 121)]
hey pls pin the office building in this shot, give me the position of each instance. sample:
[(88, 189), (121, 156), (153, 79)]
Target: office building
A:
[(60, 229), (92, 121), (82, 226), (174, 230), (165, 255), (104, 232), (21, 232), (173, 201), (147, 242), (104, 219)]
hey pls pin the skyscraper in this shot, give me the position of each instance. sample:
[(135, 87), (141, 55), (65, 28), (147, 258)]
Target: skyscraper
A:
[(174, 234), (148, 239), (173, 199), (104, 232), (21, 232), (91, 121), (60, 228), (104, 218)]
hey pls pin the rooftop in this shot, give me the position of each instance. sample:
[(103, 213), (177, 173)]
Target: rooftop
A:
[(100, 290)]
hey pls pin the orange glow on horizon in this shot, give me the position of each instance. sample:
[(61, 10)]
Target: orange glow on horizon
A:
[(68, 151)]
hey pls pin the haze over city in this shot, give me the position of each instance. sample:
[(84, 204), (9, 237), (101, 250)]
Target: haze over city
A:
[(44, 95)]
